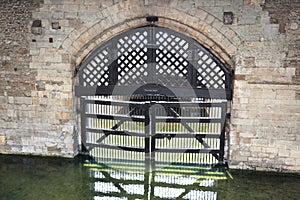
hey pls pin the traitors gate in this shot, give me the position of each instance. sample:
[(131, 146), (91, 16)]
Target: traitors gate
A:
[(151, 93)]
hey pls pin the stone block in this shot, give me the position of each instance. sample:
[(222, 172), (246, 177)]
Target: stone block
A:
[(209, 20), (283, 153), (91, 2), (28, 149), (285, 94), (54, 150), (71, 8), (270, 150), (16, 148), (254, 148), (244, 153), (4, 100), (260, 141), (71, 15), (240, 158), (23, 100), (223, 3), (270, 31), (64, 102), (248, 134), (2, 139), (295, 154), (247, 20), (51, 144), (290, 161), (64, 115), (201, 14), (263, 155), (68, 140), (255, 160)]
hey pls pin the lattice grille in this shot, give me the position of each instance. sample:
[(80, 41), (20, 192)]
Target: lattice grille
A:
[(171, 59), (96, 72), (209, 73), (132, 59), (148, 54)]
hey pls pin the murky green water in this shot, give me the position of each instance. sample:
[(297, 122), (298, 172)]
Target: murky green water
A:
[(30, 178)]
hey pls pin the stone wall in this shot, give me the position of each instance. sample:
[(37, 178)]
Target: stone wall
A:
[(266, 101), (37, 104), (33, 117)]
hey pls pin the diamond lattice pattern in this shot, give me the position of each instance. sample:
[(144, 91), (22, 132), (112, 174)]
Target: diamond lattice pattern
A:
[(96, 71), (132, 59), (209, 73), (172, 55), (171, 59)]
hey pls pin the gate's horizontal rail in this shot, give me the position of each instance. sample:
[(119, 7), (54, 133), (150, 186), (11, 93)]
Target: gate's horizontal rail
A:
[(180, 104), (119, 147), (158, 119), (116, 117), (157, 150), (185, 135), (188, 120), (169, 91), (116, 103), (157, 135), (115, 132), (181, 150)]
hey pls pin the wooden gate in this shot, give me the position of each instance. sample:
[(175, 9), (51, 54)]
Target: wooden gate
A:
[(181, 132), (153, 93)]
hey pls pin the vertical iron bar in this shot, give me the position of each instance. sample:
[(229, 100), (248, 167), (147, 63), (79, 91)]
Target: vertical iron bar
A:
[(83, 125), (151, 55), (153, 132), (146, 109), (229, 131), (222, 136), (113, 67)]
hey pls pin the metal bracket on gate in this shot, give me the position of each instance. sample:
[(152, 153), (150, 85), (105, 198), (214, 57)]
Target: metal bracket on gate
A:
[(228, 115)]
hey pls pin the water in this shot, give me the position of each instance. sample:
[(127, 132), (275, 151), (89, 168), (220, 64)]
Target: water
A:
[(40, 178)]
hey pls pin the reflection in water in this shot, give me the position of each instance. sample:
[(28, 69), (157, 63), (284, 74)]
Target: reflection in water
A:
[(133, 180), (35, 178)]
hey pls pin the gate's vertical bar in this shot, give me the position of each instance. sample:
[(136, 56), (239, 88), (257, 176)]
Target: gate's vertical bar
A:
[(151, 55), (113, 59), (192, 70), (223, 131), (153, 110), (228, 115), (83, 124), (146, 108)]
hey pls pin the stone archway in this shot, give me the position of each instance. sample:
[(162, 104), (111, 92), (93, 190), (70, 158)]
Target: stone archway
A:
[(205, 28)]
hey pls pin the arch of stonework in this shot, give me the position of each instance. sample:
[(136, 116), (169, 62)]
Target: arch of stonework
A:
[(205, 28)]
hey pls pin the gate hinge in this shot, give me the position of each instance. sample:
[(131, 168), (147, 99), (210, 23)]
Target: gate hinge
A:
[(76, 71), (228, 115)]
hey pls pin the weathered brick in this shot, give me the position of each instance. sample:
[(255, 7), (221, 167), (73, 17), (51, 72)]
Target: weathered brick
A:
[(64, 102), (28, 149), (23, 100), (284, 153), (201, 14), (2, 140), (285, 94), (63, 115), (290, 161)]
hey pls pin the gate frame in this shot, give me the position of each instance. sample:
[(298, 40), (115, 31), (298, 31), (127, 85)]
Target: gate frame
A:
[(110, 89)]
